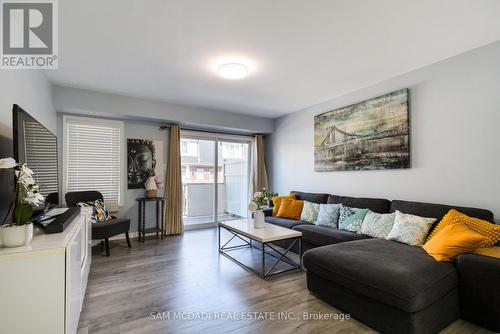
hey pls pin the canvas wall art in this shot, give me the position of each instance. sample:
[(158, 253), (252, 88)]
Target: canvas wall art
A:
[(144, 159), (370, 135)]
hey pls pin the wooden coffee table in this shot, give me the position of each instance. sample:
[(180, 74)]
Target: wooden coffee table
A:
[(245, 232)]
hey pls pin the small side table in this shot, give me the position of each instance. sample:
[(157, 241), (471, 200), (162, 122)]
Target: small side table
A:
[(160, 204)]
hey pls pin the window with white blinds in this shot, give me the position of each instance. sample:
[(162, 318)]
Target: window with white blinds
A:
[(40, 149), (93, 157)]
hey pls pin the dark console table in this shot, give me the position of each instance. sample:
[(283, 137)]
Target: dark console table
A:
[(160, 203)]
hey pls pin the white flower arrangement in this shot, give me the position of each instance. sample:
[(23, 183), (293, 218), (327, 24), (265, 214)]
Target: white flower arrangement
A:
[(26, 193), (260, 199)]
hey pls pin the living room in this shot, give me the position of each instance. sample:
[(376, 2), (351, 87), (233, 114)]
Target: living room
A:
[(222, 166)]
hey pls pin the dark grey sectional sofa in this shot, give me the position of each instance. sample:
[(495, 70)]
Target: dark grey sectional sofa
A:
[(394, 287)]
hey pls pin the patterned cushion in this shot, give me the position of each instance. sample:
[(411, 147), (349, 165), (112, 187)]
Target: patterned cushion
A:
[(328, 215), (351, 219), (309, 212), (410, 229), (99, 211), (378, 225), (491, 231)]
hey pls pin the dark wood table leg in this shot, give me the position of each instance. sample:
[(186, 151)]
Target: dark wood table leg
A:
[(139, 220), (157, 220), (143, 221), (162, 217)]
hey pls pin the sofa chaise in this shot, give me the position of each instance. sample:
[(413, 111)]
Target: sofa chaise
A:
[(390, 286)]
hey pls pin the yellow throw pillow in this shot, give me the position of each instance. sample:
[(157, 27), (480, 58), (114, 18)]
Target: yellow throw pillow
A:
[(290, 208), (493, 251), (491, 231), (277, 202), (453, 240)]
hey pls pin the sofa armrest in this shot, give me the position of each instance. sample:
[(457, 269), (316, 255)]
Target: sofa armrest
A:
[(268, 212), (478, 278)]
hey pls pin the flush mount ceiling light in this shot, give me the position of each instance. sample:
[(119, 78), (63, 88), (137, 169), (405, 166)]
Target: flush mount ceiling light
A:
[(233, 71)]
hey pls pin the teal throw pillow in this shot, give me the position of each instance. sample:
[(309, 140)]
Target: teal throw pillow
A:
[(351, 219)]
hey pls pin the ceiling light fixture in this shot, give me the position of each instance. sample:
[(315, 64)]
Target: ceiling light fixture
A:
[(233, 71)]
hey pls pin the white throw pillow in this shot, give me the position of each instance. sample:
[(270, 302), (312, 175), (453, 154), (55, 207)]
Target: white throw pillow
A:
[(378, 225), (410, 229)]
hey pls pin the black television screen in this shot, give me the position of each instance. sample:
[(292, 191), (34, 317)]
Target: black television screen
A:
[(36, 146)]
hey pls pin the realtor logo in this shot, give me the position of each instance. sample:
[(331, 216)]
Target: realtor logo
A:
[(29, 35)]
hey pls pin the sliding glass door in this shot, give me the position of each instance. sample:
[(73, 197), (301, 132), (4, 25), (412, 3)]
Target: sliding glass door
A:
[(215, 177), (234, 163)]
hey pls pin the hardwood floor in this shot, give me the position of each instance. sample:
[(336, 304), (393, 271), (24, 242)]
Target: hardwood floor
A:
[(186, 274)]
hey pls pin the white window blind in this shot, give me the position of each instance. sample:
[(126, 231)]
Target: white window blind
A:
[(40, 148), (93, 158)]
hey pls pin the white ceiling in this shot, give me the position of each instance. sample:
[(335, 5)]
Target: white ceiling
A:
[(303, 51)]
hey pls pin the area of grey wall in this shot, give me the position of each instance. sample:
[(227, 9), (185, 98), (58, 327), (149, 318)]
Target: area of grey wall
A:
[(81, 101), (30, 90), (455, 141), (151, 131)]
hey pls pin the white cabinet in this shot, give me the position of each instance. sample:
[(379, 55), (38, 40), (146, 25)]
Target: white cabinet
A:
[(42, 286)]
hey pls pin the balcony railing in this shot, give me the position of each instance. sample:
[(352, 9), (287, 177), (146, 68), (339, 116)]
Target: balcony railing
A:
[(198, 206)]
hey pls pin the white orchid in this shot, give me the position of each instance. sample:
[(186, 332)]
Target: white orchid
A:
[(26, 194), (257, 194), (26, 180), (33, 198), (26, 170), (25, 176), (6, 163)]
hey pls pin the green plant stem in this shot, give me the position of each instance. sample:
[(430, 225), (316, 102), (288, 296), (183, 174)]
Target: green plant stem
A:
[(19, 215), (16, 199)]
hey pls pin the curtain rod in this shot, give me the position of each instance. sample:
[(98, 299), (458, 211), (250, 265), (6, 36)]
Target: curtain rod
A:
[(167, 126)]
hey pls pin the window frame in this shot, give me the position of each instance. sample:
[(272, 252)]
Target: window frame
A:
[(120, 125)]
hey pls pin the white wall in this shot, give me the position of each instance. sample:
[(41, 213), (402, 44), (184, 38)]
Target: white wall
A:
[(81, 101), (455, 138)]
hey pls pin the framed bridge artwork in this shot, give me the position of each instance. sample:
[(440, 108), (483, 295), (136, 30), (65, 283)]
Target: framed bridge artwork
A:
[(370, 135)]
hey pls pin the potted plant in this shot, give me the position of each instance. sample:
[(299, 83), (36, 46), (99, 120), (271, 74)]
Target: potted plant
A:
[(257, 204), (26, 194)]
